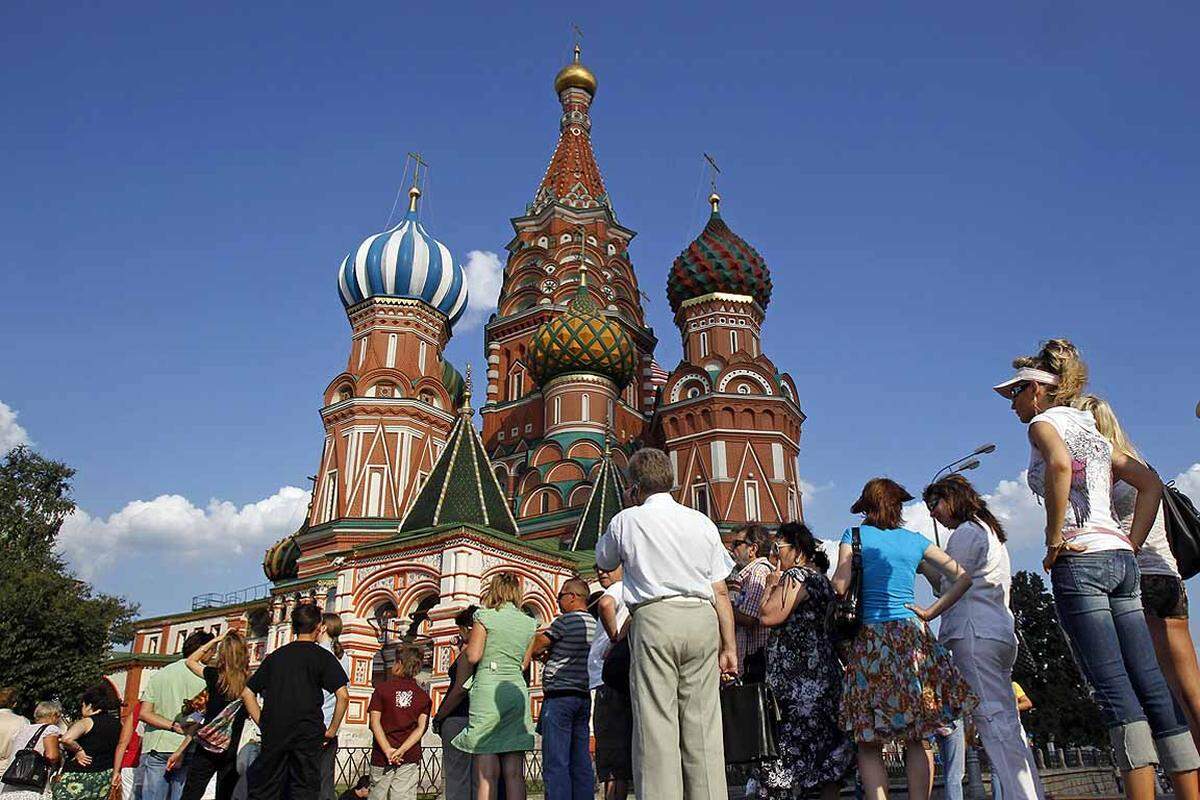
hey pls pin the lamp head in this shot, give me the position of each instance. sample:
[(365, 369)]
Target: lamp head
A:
[(984, 449), (972, 464)]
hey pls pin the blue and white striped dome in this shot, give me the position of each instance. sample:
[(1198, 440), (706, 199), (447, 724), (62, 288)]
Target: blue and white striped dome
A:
[(404, 262)]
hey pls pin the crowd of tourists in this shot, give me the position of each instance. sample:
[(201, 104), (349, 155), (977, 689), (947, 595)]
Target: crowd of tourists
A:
[(632, 674)]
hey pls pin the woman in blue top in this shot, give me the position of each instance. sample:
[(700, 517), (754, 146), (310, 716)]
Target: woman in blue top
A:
[(899, 682)]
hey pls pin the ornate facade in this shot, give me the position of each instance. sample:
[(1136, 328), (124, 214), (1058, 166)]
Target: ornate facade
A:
[(412, 510)]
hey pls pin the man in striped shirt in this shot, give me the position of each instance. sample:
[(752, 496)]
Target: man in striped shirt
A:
[(749, 549), (567, 703)]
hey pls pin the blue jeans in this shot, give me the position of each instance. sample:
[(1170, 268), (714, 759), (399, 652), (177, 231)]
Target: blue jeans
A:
[(1099, 604), (566, 761), (954, 760), (157, 783)]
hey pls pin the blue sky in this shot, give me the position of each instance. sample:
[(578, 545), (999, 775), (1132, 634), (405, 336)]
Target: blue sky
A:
[(934, 191)]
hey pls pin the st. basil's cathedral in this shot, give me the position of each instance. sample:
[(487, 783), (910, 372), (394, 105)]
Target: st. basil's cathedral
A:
[(413, 509)]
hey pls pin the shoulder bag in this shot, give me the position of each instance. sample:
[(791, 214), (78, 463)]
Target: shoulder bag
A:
[(844, 617), (216, 735), (1183, 529), (28, 769)]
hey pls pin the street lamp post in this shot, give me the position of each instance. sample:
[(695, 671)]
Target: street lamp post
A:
[(964, 464)]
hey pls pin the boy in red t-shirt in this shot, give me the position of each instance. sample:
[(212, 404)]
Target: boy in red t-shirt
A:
[(399, 712)]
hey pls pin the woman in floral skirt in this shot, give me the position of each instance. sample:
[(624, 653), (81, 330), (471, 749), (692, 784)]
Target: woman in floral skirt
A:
[(803, 672), (900, 684)]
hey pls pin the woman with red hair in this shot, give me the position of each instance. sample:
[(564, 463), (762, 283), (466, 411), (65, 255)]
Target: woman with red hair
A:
[(900, 683)]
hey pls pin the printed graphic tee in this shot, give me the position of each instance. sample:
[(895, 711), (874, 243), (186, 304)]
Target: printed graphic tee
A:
[(400, 703)]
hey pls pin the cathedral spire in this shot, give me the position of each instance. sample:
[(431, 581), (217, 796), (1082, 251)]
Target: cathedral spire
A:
[(573, 179)]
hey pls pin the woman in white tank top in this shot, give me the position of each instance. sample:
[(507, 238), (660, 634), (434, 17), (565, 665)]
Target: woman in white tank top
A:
[(1164, 596)]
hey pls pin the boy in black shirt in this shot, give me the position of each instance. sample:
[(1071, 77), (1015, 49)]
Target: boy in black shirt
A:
[(290, 681)]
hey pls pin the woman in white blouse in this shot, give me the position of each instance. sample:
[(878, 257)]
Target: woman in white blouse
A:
[(1164, 597), (979, 630)]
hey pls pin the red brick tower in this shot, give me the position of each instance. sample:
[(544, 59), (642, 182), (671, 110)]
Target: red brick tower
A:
[(546, 441), (389, 414), (728, 418)]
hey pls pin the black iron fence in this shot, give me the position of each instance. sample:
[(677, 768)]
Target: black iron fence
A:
[(354, 762)]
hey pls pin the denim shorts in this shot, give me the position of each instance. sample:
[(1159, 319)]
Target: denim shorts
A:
[(1165, 596)]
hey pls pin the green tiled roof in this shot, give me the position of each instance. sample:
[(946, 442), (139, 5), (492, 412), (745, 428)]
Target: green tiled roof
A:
[(462, 488), (602, 505)]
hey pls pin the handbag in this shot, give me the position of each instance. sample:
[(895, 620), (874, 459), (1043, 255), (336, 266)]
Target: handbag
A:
[(1183, 529), (216, 735), (28, 769), (844, 615), (749, 716)]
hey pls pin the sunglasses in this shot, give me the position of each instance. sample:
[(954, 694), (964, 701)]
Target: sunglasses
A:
[(739, 542), (1017, 389)]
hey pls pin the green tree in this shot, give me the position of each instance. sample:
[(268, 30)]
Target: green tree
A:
[(1063, 706), (35, 498), (55, 631)]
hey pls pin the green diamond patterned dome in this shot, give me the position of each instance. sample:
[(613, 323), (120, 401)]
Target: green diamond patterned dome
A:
[(718, 261), (581, 339)]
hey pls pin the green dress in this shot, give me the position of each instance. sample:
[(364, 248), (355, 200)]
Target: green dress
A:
[(499, 720)]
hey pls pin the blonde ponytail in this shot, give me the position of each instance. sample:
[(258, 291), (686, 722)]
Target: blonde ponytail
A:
[(1108, 424)]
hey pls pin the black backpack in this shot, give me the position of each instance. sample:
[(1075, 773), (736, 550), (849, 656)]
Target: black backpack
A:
[(28, 769), (1183, 529)]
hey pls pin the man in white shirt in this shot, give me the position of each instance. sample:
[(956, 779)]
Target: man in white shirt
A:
[(681, 635)]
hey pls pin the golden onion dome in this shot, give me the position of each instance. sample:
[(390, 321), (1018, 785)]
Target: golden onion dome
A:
[(575, 76)]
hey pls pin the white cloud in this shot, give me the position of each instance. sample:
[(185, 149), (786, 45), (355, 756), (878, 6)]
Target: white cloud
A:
[(809, 491), (1188, 482), (11, 434), (485, 275), (171, 528)]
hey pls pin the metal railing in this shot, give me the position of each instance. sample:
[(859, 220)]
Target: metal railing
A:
[(217, 599), (354, 762)]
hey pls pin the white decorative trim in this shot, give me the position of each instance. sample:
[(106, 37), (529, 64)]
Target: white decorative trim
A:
[(745, 373), (692, 378)]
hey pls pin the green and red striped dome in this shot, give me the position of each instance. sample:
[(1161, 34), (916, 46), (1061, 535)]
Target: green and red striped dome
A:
[(718, 261)]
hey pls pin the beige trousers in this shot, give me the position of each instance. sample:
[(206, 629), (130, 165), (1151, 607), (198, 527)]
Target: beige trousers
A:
[(394, 783), (678, 752)]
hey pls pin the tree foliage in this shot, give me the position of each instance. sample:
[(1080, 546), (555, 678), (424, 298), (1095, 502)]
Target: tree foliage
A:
[(35, 498), (1063, 706), (55, 631)]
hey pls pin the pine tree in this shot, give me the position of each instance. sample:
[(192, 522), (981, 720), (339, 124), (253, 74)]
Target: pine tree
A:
[(1062, 702)]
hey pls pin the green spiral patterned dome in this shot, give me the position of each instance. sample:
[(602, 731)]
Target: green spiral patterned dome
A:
[(718, 261), (581, 339)]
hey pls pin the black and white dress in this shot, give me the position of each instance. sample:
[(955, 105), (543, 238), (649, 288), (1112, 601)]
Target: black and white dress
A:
[(806, 677)]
